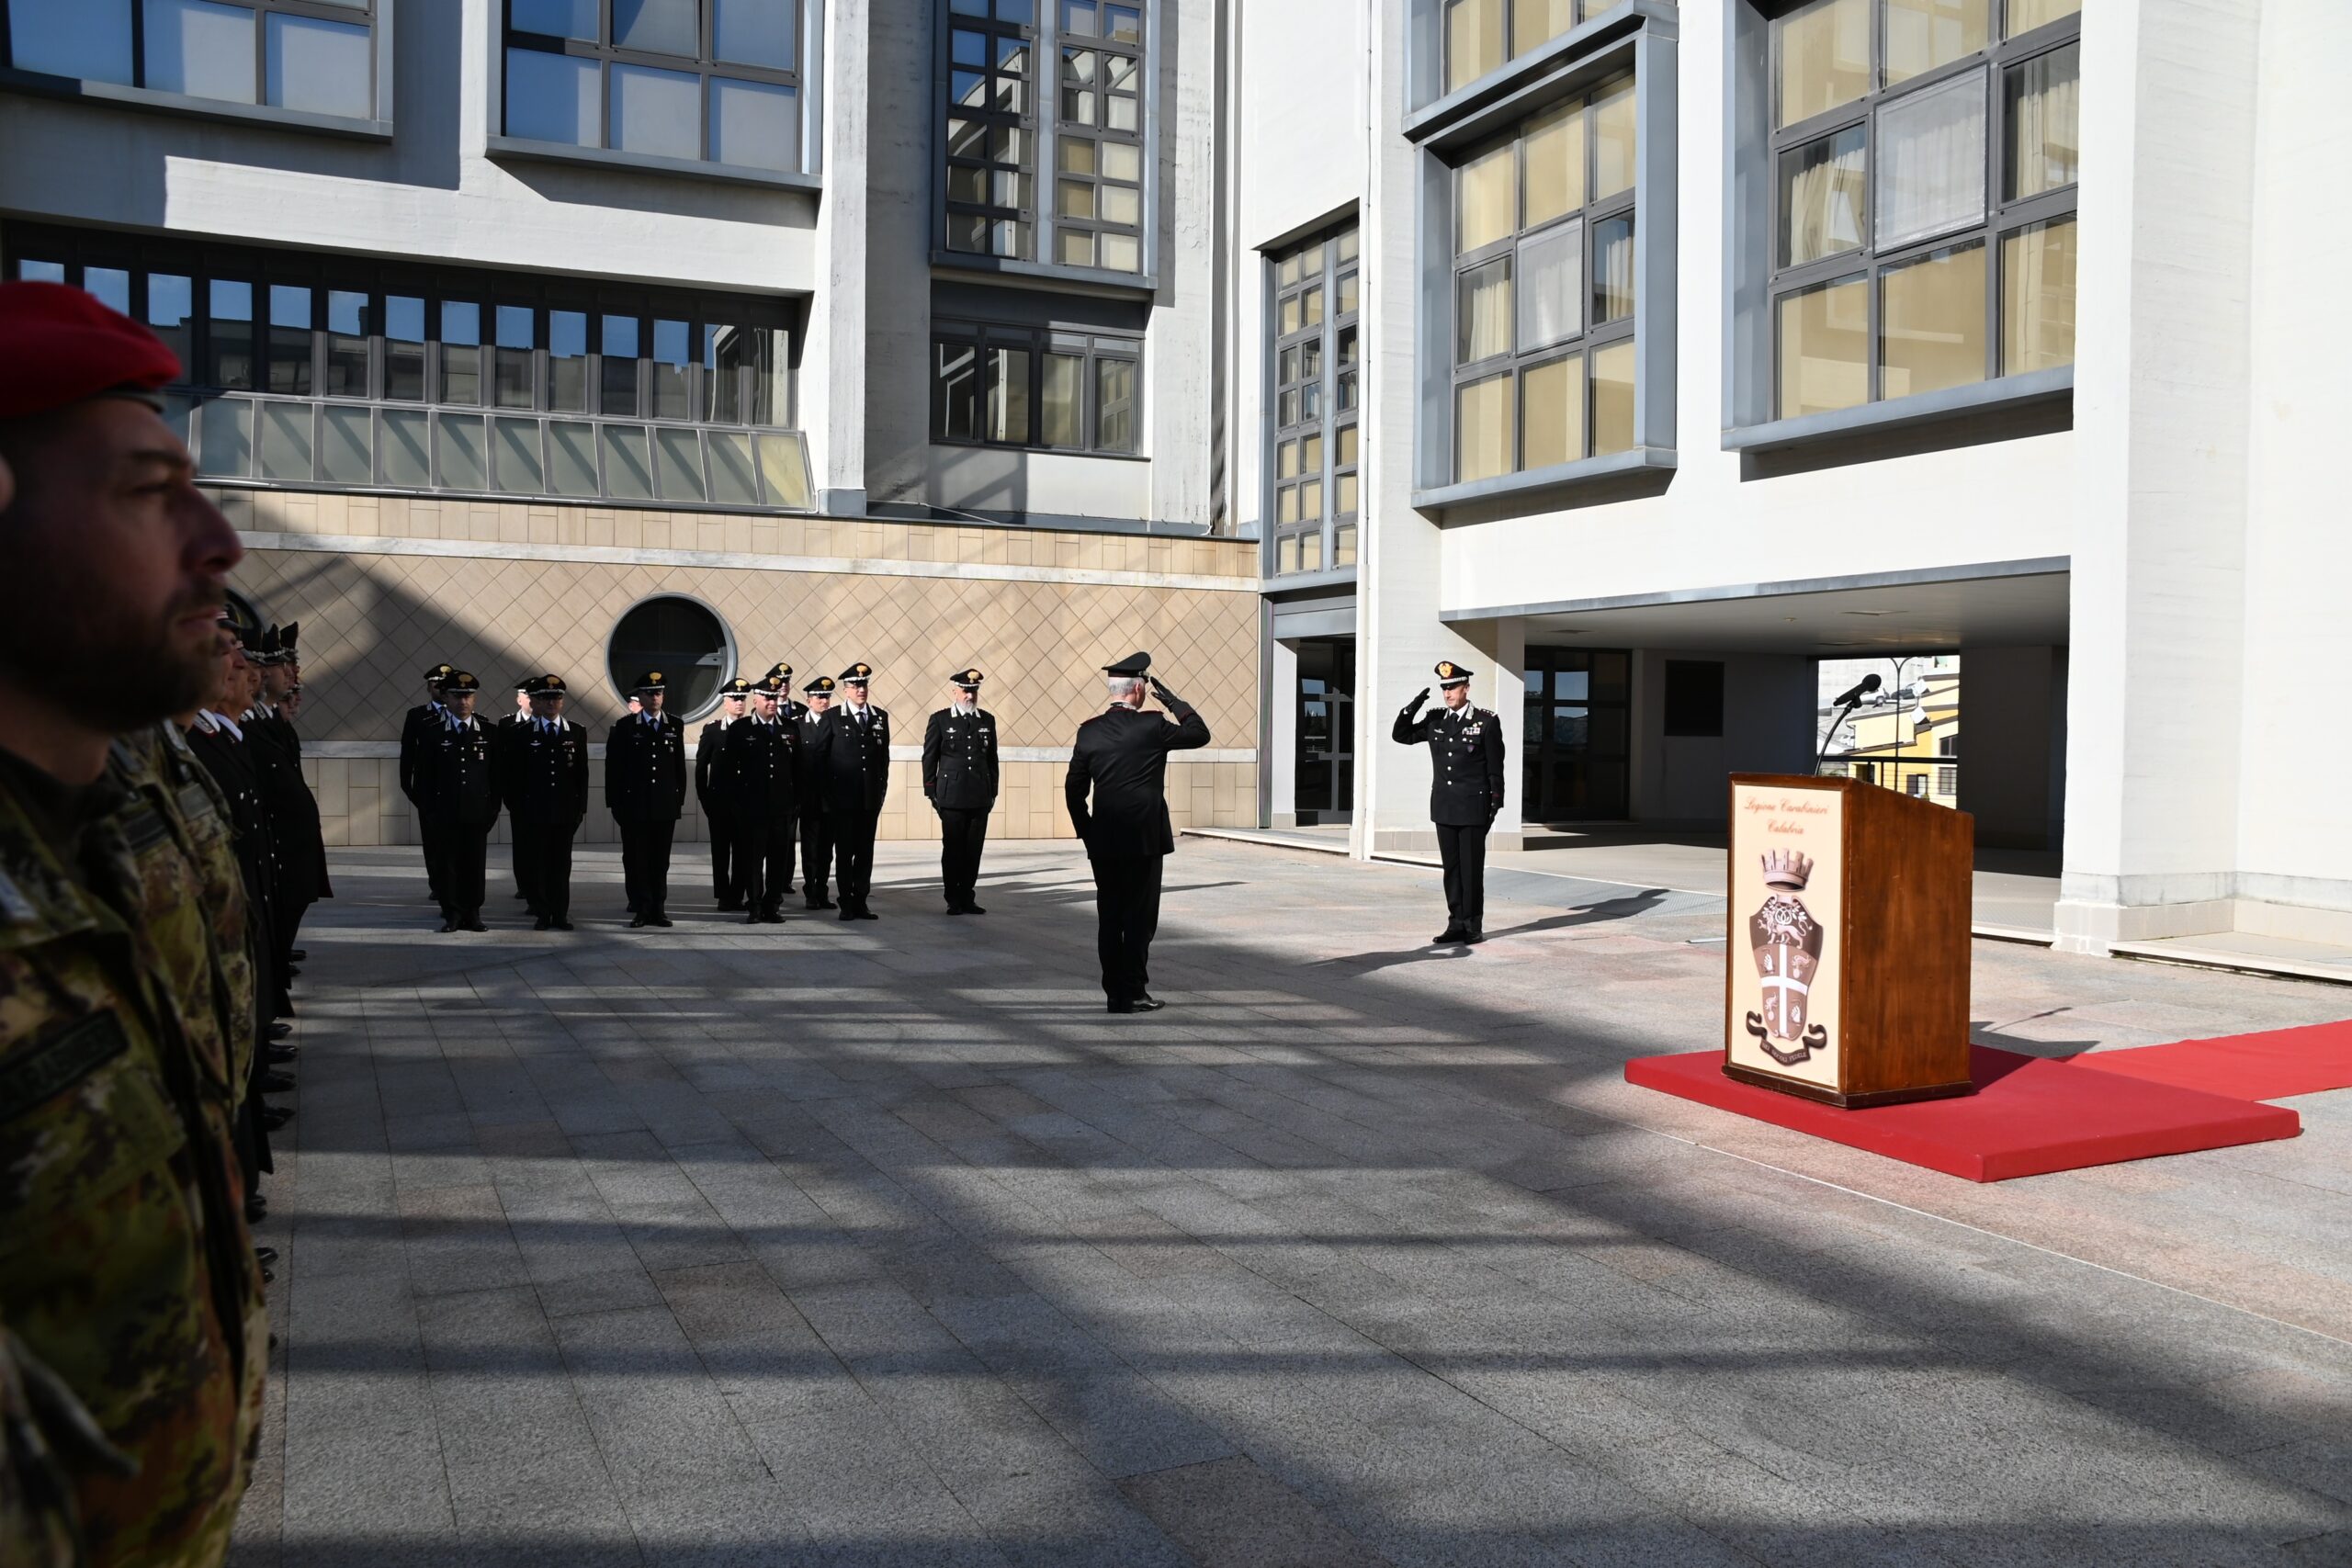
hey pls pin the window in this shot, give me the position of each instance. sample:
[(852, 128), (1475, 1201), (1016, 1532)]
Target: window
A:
[(715, 82), (1925, 164), (1481, 34), (1035, 387), (1317, 373), (313, 56), (1047, 128), (1695, 697), (1544, 290), (1577, 723), (315, 370), (681, 637)]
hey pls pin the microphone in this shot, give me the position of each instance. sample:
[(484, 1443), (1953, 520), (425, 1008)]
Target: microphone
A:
[(1857, 691)]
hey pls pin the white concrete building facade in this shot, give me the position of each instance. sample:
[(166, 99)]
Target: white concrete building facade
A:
[(1700, 342)]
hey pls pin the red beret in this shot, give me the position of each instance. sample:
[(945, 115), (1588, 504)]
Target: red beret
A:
[(58, 346)]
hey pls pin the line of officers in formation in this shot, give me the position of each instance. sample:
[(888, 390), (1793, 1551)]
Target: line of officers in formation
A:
[(777, 780)]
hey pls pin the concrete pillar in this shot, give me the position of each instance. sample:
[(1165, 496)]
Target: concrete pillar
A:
[(1400, 636), (833, 364), (2157, 616), (1281, 759)]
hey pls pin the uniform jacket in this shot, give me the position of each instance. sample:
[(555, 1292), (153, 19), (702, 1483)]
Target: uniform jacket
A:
[(710, 745), (812, 799), (296, 842), (458, 774), (545, 774), (200, 805), (1465, 761), (960, 760), (761, 770), (222, 757), (419, 720), (125, 1264), (645, 769), (1121, 755), (849, 765)]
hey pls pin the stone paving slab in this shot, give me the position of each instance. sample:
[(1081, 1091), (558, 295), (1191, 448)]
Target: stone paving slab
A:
[(879, 1243)]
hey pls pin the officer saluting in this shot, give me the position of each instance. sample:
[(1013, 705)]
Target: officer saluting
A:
[(457, 799), (645, 789), (816, 825), (1121, 755), (959, 775), (547, 790), (416, 725), (710, 789), (759, 772), (850, 766), (781, 848), (1465, 746)]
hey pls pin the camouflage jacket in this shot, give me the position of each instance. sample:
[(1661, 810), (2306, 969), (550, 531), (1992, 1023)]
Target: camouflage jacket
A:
[(219, 1002), (125, 1266)]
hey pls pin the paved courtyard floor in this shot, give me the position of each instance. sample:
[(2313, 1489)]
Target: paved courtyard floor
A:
[(881, 1243)]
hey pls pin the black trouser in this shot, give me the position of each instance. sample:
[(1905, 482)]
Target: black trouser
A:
[(428, 834), (816, 854), (525, 867), (1463, 850), (543, 861), (1127, 916), (722, 858), (963, 832), (854, 855), (460, 853), (764, 862), (645, 864)]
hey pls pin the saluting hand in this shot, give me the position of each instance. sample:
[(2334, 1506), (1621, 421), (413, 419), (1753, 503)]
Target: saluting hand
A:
[(1158, 689), (1418, 698)]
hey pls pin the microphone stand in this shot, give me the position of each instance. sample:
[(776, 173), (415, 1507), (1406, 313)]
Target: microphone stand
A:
[(1843, 715)]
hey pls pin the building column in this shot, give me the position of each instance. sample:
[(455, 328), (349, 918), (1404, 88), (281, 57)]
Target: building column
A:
[(833, 364), (2157, 612), (1398, 568), (1281, 759)]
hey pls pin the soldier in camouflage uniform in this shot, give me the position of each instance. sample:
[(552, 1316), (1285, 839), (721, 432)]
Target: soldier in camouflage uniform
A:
[(133, 1335)]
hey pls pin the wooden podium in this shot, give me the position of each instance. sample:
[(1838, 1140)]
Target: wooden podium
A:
[(1848, 965)]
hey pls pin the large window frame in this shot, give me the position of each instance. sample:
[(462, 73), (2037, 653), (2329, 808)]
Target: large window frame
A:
[(2004, 217), (504, 384), (976, 365), (134, 89), (1314, 381), (1633, 43), (1047, 135), (605, 55), (1765, 281)]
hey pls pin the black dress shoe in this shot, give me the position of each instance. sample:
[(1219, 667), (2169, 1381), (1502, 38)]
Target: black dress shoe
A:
[(1148, 1004), (662, 917), (542, 923), (473, 922), (751, 917), (281, 1055), (1473, 937), (299, 956), (266, 1254), (563, 925), (954, 908), (257, 1209), (639, 921), (866, 914), (1448, 937), (1118, 1007), (277, 1083), (280, 1029), (972, 908), (277, 1116), (449, 923), (771, 918), (822, 904), (848, 913)]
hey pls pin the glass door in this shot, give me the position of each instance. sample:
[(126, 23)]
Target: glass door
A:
[(1327, 727), (1574, 763)]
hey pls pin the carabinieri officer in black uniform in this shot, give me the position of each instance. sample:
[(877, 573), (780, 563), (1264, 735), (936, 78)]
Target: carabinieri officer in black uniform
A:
[(959, 777), (850, 766), (457, 798), (547, 791), (759, 771), (645, 789), (816, 827), (417, 725), (1465, 746), (710, 789), (1121, 756)]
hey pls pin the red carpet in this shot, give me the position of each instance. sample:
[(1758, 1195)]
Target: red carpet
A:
[(2270, 1066), (2028, 1117)]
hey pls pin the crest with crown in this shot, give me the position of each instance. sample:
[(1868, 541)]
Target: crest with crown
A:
[(1786, 870)]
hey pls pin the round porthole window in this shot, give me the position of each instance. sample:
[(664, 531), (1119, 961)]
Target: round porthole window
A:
[(681, 637)]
